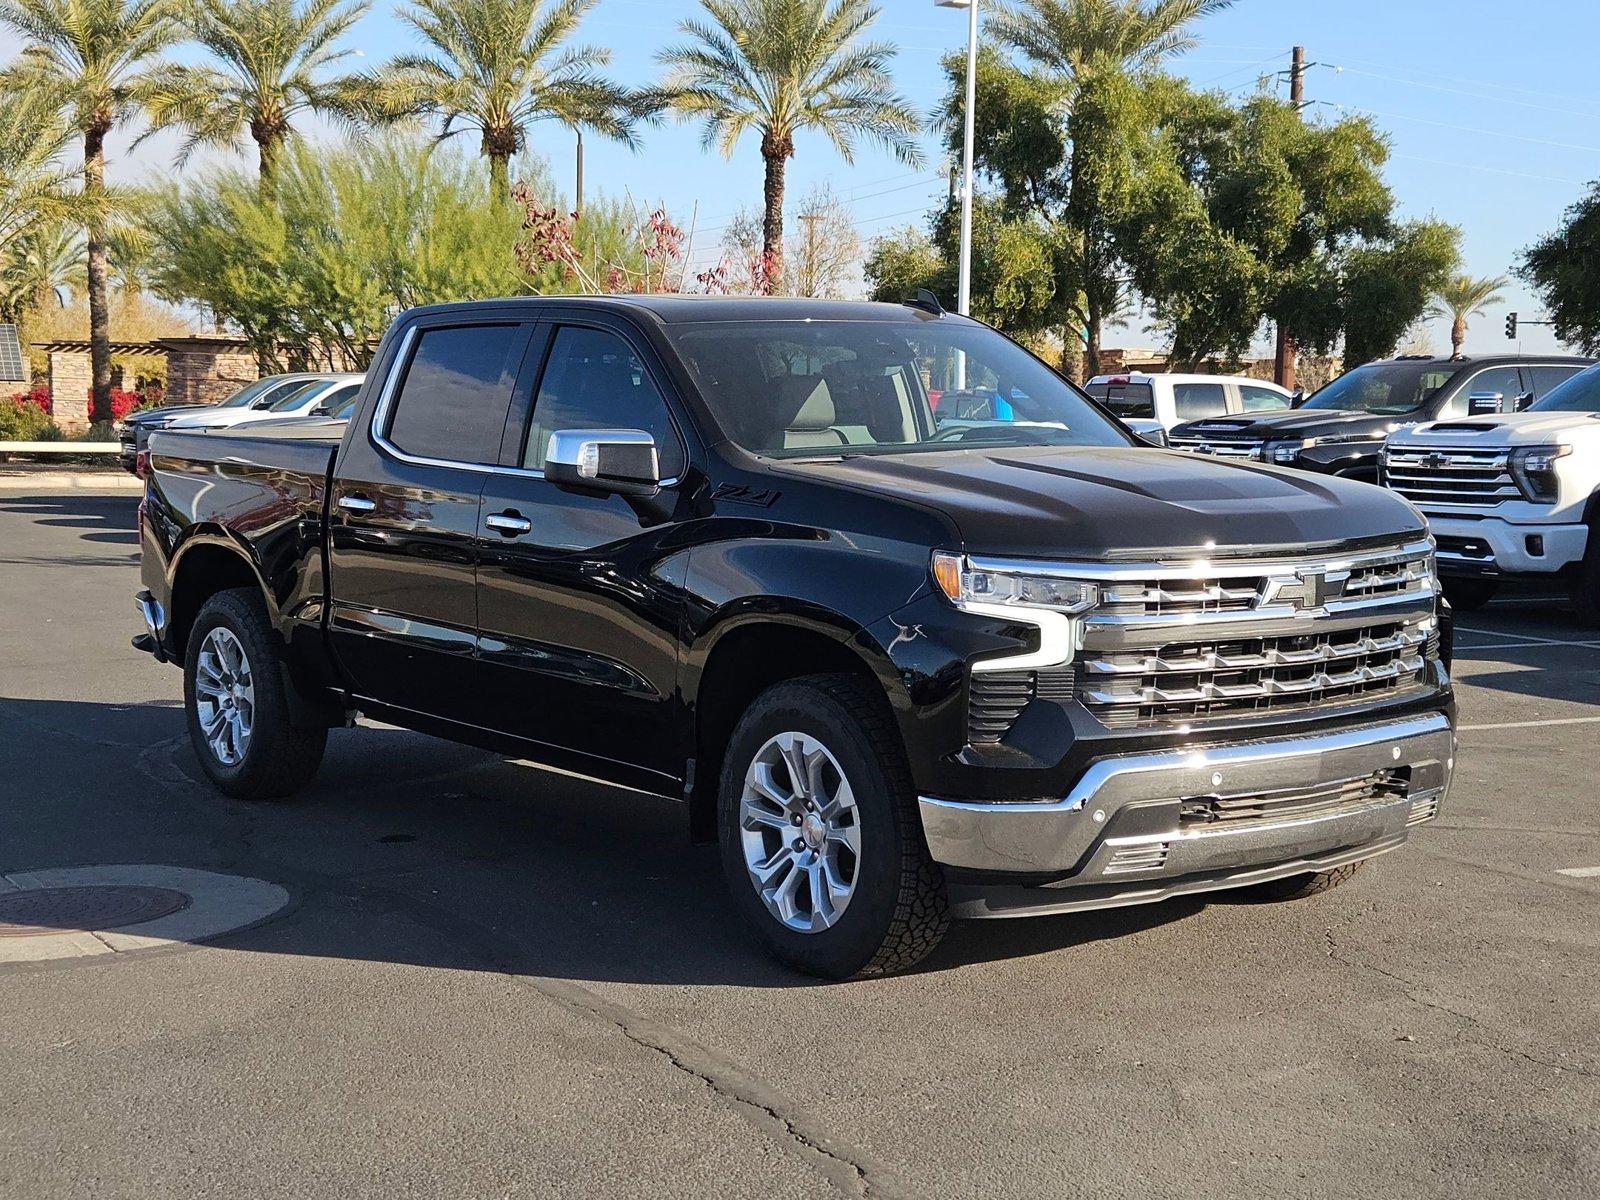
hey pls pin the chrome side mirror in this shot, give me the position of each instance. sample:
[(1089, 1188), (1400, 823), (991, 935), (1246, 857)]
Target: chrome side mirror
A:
[(620, 461), (1151, 433), (1485, 402)]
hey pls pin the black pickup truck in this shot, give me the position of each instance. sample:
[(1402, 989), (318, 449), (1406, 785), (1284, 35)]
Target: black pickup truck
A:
[(1340, 430), (911, 626)]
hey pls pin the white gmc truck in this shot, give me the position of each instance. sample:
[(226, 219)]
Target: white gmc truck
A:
[(1510, 495)]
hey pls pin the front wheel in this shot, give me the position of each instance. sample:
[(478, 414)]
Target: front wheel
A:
[(237, 707), (1298, 887), (821, 842), (1469, 595)]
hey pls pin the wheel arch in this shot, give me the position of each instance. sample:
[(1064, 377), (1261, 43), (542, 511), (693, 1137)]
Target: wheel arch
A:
[(749, 652), (208, 562)]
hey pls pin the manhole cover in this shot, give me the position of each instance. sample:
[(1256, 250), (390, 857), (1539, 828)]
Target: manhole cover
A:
[(37, 912)]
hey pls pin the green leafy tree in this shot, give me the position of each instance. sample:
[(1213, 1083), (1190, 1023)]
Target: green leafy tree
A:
[(777, 68), (497, 67), (273, 61), (94, 60), (1086, 60), (1563, 268), (1461, 297), (314, 272), (40, 268)]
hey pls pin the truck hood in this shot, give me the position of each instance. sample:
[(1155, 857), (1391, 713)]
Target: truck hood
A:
[(1055, 502), (1505, 429), (157, 415), (1296, 423)]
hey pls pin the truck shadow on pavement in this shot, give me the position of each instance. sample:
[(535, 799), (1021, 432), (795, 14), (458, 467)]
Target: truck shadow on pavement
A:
[(416, 851), (100, 519)]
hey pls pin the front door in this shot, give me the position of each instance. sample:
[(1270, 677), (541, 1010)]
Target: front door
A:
[(403, 546), (579, 594)]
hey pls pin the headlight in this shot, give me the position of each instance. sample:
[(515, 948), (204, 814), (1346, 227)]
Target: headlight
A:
[(969, 587), (1284, 452), (1534, 469)]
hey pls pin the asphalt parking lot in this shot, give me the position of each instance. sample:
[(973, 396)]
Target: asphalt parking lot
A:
[(491, 981)]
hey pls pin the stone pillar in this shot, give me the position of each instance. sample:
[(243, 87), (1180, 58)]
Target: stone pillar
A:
[(205, 370), (70, 380)]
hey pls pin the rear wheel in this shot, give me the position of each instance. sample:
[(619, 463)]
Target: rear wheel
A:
[(1469, 595), (821, 842), (1297, 887), (237, 707)]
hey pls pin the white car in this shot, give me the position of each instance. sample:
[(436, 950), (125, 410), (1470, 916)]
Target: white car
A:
[(316, 395), (1513, 494), (1173, 399)]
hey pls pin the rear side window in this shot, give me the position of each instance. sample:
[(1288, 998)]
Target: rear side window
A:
[(1196, 400), (457, 388), (1260, 399), (1545, 378), (1125, 399), (593, 380)]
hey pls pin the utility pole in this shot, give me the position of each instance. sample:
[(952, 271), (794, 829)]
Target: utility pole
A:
[(577, 206), (1283, 359), (808, 270)]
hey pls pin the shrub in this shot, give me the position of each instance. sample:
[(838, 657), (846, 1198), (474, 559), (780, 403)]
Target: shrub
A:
[(21, 420)]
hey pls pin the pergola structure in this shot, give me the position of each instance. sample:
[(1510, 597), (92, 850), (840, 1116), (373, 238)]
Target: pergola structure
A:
[(201, 369)]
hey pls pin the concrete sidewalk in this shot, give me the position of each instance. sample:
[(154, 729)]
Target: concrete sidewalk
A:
[(52, 477)]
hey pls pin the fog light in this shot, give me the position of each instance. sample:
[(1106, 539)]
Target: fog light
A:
[(1535, 544)]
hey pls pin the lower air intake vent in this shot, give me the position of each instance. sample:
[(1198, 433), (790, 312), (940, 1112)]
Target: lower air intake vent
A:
[(1146, 856), (995, 700)]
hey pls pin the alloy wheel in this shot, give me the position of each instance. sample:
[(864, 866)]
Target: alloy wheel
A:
[(225, 696), (800, 831)]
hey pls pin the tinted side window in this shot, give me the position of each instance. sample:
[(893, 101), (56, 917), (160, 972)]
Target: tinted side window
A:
[(1504, 380), (1196, 400), (453, 401), (1126, 399), (337, 399), (593, 380), (1260, 399), (1546, 377)]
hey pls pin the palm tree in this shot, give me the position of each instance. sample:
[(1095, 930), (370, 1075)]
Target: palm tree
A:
[(1077, 44), (273, 60), (33, 180), (1461, 297), (1075, 38), (93, 59), (777, 67), (499, 66), (39, 267)]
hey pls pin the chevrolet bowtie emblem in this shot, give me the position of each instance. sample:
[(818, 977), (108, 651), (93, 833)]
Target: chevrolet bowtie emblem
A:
[(1435, 460), (1306, 589)]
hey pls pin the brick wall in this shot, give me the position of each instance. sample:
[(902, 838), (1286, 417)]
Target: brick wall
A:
[(70, 378), (207, 374)]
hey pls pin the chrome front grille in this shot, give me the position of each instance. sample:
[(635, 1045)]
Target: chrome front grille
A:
[(1220, 447), (1297, 803), (1173, 643), (1188, 680), (1426, 476)]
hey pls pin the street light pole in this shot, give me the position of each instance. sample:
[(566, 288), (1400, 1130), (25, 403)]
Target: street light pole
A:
[(964, 283)]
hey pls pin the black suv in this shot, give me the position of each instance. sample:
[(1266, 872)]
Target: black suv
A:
[(1341, 428)]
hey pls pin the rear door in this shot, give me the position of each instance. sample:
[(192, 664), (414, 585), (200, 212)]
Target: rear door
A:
[(580, 594), (403, 542), (1197, 401)]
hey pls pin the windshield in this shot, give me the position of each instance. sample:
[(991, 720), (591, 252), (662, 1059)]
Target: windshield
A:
[(807, 389), (1581, 393), (249, 392), (1386, 388), (297, 396)]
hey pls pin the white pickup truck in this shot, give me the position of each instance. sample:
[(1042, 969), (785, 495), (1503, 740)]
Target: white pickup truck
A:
[(1510, 495)]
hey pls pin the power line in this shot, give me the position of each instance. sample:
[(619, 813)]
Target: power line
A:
[(1518, 137), (1439, 162), (1476, 83), (1478, 95)]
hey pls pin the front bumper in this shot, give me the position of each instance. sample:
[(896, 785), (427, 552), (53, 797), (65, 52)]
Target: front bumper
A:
[(1144, 826), (1494, 546)]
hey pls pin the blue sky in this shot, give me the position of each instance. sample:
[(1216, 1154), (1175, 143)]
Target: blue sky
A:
[(1490, 107)]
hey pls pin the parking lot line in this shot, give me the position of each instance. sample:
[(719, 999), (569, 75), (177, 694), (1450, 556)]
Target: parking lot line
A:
[(1579, 872), (1539, 645), (1531, 724)]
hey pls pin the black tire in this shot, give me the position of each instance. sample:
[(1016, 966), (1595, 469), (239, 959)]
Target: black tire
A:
[(1298, 887), (1469, 595), (280, 758), (899, 910), (1586, 586)]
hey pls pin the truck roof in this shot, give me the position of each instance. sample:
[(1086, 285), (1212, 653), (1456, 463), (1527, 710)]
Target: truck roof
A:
[(674, 308), (1479, 360)]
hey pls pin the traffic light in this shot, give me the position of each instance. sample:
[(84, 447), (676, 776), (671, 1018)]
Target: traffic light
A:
[(1511, 326)]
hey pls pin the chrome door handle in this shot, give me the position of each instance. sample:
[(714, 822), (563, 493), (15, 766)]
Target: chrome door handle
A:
[(357, 503), (508, 524)]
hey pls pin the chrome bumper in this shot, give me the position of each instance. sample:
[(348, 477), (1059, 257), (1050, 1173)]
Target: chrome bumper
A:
[(155, 621), (1130, 826)]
